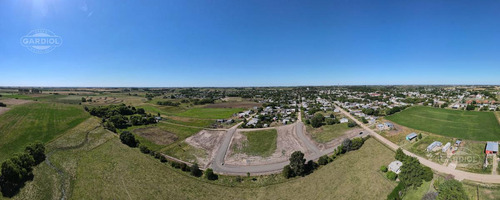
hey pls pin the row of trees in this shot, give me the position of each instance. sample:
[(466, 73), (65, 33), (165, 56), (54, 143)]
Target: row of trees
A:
[(115, 116), (299, 167), (19, 169)]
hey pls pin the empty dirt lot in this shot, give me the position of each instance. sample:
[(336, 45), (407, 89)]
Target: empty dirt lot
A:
[(208, 141), (156, 135), (287, 143)]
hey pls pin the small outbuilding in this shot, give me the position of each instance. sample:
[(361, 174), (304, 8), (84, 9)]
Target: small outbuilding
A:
[(491, 148), (434, 145), (411, 136), (344, 120), (395, 166)]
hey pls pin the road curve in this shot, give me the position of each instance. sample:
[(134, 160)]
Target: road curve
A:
[(458, 174)]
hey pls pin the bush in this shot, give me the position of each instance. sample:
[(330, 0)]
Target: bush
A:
[(144, 149), (185, 167), (2, 105), (428, 174), (287, 172), (195, 170), (383, 168), (323, 160), (351, 124), (210, 175), (330, 121), (317, 120), (129, 139), (394, 195), (163, 159), (391, 176)]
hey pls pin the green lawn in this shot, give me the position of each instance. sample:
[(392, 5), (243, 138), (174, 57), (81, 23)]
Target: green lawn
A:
[(210, 113), (259, 143), (327, 133), (28, 123), (480, 126)]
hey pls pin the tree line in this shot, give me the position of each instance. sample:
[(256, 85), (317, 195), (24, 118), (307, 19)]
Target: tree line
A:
[(19, 169), (116, 116)]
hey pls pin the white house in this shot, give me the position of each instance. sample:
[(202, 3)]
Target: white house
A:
[(395, 166), (344, 120)]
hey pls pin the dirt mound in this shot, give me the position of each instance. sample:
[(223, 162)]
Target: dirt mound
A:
[(156, 135)]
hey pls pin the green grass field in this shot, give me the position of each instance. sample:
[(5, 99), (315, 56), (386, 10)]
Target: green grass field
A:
[(327, 133), (260, 143), (32, 122), (106, 169), (210, 113), (480, 126)]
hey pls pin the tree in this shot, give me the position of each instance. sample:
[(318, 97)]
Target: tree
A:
[(420, 136), (317, 120), (195, 170), (37, 151), (391, 175), (428, 174), (323, 160), (83, 99), (297, 163), (346, 145), (470, 107), (2, 105), (330, 121), (383, 168), (411, 172), (363, 119), (451, 190), (351, 124), (210, 175), (400, 155), (129, 139), (287, 172), (356, 143)]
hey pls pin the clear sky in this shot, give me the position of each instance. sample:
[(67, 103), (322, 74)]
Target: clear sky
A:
[(252, 43)]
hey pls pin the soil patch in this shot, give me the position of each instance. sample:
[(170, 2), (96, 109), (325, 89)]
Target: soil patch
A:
[(207, 140), (156, 135), (10, 102)]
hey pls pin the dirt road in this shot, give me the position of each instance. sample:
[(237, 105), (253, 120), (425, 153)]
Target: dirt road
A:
[(459, 175)]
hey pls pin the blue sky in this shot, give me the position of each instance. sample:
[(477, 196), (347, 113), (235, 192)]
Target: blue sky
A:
[(252, 43)]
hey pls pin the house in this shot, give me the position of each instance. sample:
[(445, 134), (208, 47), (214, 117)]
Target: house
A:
[(458, 142), (395, 166), (157, 118), (389, 125), (491, 148), (336, 110), (252, 122), (380, 126), (434, 145), (411, 136), (344, 120), (446, 147)]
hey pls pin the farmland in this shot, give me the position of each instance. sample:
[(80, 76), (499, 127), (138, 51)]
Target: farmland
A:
[(28, 123), (480, 126), (210, 113)]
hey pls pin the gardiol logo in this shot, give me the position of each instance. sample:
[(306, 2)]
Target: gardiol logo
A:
[(41, 41)]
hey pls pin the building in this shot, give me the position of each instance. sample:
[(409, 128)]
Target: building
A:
[(411, 136), (434, 145), (253, 122), (388, 125), (344, 120), (458, 142), (446, 147), (491, 148), (395, 166)]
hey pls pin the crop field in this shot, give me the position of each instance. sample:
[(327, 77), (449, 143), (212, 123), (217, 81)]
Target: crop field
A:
[(28, 123), (106, 169), (479, 126), (259, 143), (210, 113)]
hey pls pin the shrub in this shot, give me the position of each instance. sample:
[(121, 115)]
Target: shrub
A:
[(391, 176), (210, 175), (129, 139), (383, 168), (428, 174), (351, 124), (394, 195), (195, 170), (323, 160), (144, 149), (163, 159), (287, 172), (2, 105)]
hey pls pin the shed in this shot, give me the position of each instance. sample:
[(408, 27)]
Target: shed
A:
[(446, 147), (434, 145), (411, 136), (491, 148)]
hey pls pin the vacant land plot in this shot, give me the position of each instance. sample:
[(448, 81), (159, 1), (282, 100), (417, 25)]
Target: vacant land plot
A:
[(470, 157), (208, 141), (210, 113), (327, 133), (471, 125), (156, 135), (258, 143), (32, 122)]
